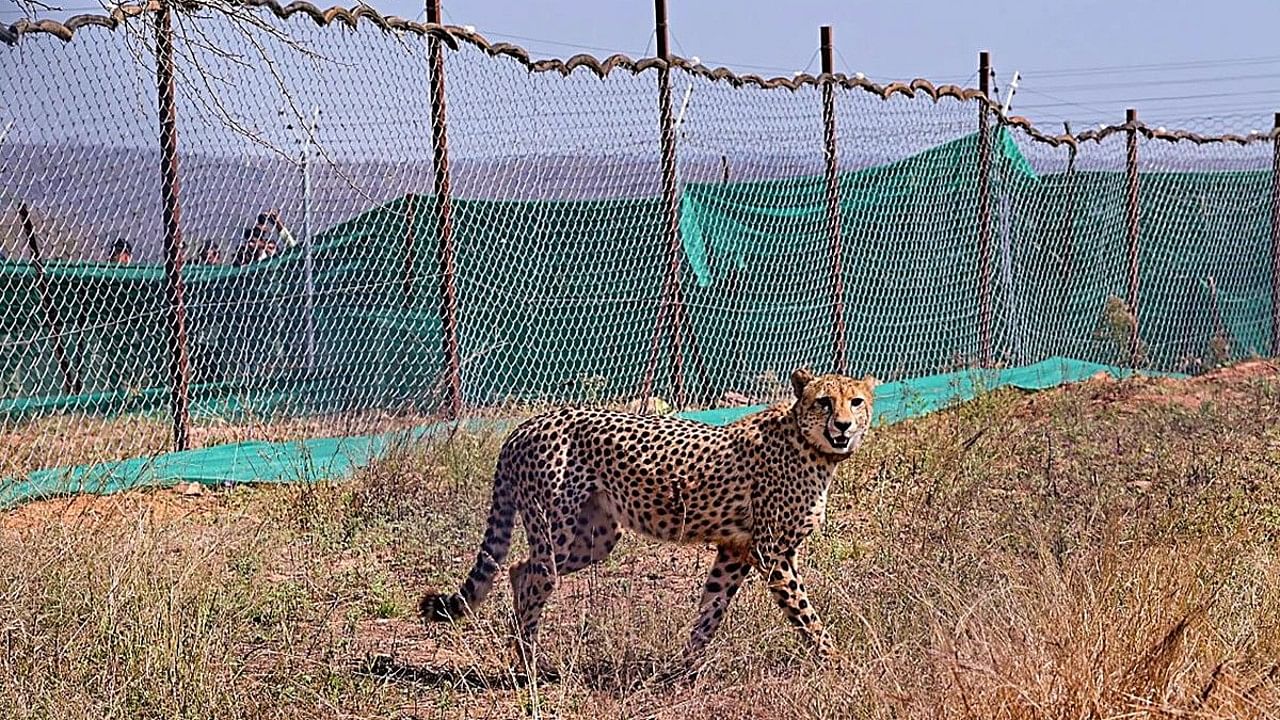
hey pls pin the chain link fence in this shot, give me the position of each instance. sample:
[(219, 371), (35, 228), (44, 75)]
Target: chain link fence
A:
[(334, 283)]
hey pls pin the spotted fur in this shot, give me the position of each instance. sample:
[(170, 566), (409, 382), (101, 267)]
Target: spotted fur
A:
[(755, 489)]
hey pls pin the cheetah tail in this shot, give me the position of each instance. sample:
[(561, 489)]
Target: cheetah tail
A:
[(491, 555)]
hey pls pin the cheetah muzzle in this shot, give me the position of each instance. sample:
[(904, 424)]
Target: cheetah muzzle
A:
[(754, 489)]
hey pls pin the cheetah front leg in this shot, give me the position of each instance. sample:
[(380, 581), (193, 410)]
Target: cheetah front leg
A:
[(779, 566), (722, 584)]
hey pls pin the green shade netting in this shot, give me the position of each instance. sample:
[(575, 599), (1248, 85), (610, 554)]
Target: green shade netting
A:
[(557, 301)]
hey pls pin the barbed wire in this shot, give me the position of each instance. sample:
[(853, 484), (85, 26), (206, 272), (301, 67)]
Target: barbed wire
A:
[(453, 35)]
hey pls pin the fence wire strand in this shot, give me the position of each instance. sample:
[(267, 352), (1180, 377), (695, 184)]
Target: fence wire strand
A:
[(314, 277)]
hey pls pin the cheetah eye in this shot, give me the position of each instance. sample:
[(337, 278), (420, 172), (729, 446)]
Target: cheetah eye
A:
[(825, 403), (856, 402)]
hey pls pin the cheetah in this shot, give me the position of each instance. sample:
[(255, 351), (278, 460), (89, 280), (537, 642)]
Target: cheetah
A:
[(753, 489)]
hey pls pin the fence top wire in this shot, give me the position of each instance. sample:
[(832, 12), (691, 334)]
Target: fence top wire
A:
[(453, 35)]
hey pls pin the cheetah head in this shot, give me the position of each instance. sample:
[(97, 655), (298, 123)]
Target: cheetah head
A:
[(832, 412)]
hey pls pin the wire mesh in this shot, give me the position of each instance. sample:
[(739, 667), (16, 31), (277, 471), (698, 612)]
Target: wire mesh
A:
[(1063, 251), (309, 157), (318, 283), (1205, 253), (753, 221), (78, 333), (910, 221)]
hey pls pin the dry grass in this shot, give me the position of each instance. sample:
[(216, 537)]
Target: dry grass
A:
[(1108, 550)]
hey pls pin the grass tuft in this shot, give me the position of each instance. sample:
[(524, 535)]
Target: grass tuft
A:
[(1104, 550)]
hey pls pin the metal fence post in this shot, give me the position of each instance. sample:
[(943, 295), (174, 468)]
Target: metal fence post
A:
[(1131, 216), (1068, 230), (70, 380), (444, 215), (308, 242), (833, 197), (735, 292), (1275, 237), (1069, 211), (984, 211), (172, 213), (670, 307)]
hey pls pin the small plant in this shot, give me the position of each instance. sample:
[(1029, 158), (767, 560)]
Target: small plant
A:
[(591, 388), (281, 603), (1118, 328), (1219, 349), (383, 601), (770, 388)]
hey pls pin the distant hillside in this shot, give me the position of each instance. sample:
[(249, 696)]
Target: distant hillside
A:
[(93, 195), (87, 196)]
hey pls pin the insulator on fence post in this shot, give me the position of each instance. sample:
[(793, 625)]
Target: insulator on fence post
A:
[(670, 309), (1275, 237), (172, 215), (985, 358), (833, 198), (444, 216), (1131, 222)]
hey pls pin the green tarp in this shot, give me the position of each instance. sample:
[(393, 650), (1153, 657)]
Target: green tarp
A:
[(334, 458)]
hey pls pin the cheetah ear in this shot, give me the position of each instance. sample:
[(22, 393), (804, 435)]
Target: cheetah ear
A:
[(871, 381), (799, 379)]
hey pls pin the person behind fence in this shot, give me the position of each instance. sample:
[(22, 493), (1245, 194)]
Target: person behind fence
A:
[(258, 242), (121, 252), (210, 253), (250, 248)]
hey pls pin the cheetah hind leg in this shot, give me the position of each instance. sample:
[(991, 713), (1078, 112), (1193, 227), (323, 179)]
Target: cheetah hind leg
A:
[(532, 582), (595, 532)]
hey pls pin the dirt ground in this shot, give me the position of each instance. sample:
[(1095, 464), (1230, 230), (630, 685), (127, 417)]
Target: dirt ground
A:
[(1105, 549)]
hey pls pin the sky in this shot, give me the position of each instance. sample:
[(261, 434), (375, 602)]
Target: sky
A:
[(1084, 61), (1210, 66)]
